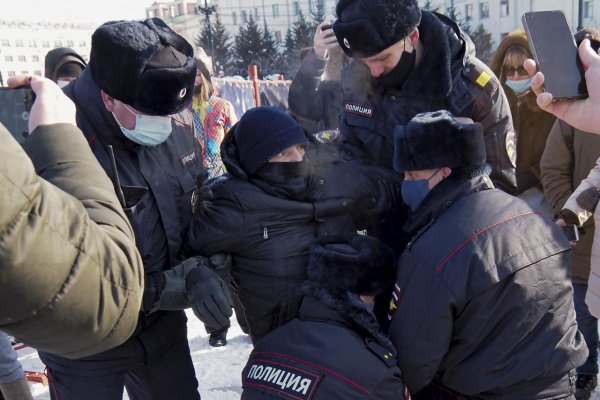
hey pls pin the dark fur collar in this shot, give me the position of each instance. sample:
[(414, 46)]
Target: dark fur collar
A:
[(353, 310), (433, 76)]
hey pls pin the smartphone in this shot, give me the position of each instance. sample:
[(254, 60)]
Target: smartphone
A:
[(554, 50), (571, 232), (15, 105)]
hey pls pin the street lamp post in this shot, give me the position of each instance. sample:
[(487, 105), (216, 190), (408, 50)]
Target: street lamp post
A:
[(207, 11)]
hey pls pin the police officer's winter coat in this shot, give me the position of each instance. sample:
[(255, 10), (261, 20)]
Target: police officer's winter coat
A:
[(448, 77), (269, 233), (333, 350), (71, 280), (157, 183), (483, 301)]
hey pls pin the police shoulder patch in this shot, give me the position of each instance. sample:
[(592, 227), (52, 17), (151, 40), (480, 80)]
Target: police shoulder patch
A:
[(282, 380), (481, 77), (383, 353)]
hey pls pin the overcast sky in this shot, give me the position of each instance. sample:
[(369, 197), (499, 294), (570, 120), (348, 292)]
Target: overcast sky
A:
[(73, 11)]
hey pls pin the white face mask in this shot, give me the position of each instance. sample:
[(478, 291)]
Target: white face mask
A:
[(150, 130), (61, 84)]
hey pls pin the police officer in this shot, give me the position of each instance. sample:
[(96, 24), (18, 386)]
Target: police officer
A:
[(130, 105), (483, 289), (408, 61), (334, 349)]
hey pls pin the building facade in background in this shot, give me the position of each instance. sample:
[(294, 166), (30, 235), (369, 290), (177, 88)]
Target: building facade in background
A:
[(500, 17), (24, 45), (185, 19)]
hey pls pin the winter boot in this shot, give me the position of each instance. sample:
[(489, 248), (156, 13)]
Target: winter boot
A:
[(584, 386)]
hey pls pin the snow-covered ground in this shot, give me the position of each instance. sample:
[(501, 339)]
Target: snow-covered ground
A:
[(218, 369)]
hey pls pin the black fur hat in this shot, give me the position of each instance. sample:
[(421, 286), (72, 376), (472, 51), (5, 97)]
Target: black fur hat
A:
[(362, 265), (144, 64), (367, 27), (436, 139)]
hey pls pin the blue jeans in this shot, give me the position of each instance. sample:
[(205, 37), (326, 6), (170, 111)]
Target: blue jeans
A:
[(10, 367), (588, 326)]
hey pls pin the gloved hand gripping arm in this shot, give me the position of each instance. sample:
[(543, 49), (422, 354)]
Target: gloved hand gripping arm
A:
[(191, 283)]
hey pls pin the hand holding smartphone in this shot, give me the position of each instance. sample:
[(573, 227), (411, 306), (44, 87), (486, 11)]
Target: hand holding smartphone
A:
[(571, 232), (554, 50)]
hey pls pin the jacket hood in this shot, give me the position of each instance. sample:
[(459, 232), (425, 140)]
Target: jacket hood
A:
[(230, 156), (515, 38), (58, 57)]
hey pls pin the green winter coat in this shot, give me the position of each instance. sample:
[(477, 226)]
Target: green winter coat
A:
[(71, 279)]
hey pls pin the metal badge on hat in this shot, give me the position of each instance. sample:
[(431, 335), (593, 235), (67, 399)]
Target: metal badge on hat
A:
[(182, 93), (346, 43)]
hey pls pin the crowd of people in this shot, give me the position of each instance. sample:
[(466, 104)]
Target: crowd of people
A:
[(397, 233)]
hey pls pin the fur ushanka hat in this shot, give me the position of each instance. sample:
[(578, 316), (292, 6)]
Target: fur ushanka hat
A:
[(144, 64), (366, 27), (362, 265), (436, 139)]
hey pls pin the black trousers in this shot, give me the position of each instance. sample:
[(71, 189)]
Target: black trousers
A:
[(170, 376)]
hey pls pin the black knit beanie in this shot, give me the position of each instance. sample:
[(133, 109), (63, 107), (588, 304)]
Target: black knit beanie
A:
[(262, 133), (366, 27)]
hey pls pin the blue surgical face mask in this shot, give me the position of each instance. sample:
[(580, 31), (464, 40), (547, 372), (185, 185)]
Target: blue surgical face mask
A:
[(518, 86), (414, 192), (150, 130)]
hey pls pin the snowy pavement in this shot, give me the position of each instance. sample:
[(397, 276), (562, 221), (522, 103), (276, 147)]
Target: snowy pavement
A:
[(218, 369)]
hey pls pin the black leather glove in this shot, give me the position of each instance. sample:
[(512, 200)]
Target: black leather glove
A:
[(389, 197), (209, 297)]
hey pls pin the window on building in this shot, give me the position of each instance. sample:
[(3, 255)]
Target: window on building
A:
[(164, 13), (11, 73), (22, 59), (588, 9), (35, 58), (234, 17), (150, 14), (32, 43), (296, 8), (70, 43), (484, 10), (82, 43), (24, 72), (8, 58), (256, 13), (275, 10), (38, 73), (19, 43), (504, 11), (5, 43), (58, 43), (469, 11), (181, 10), (45, 43), (278, 36), (244, 17)]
